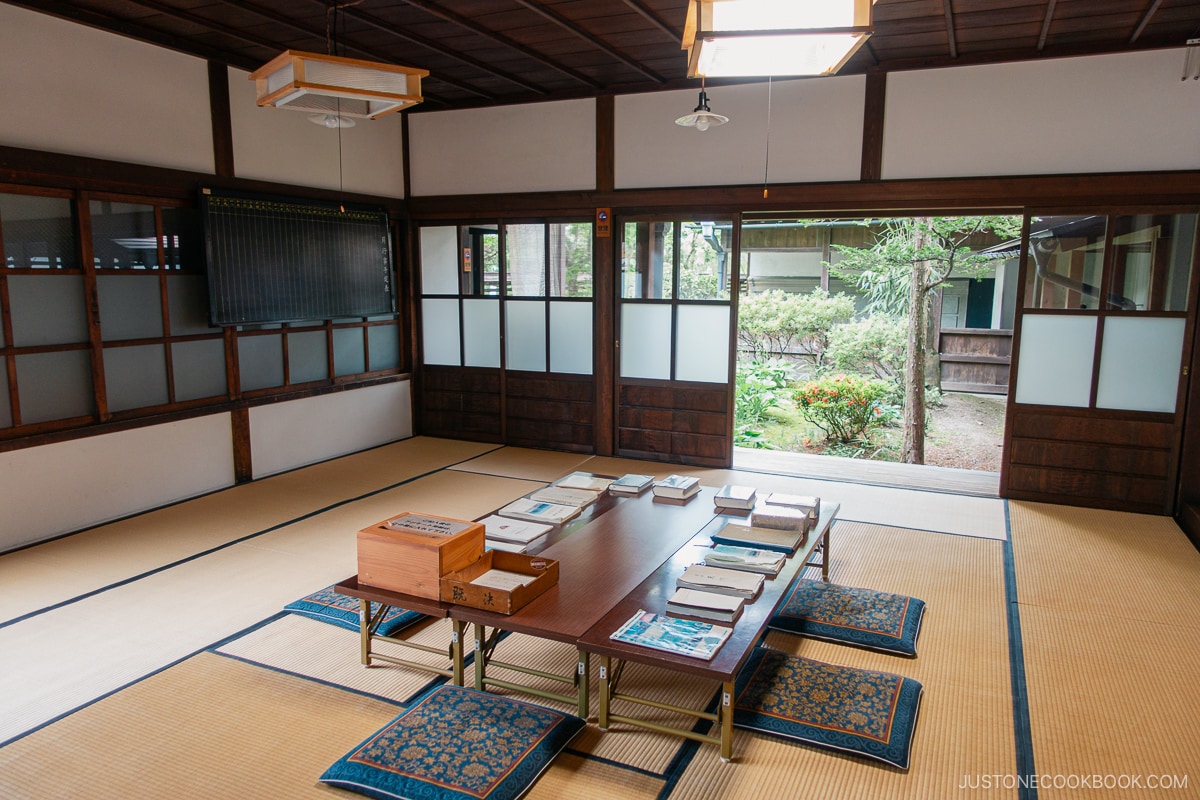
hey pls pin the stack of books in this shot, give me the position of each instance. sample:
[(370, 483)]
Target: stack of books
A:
[(501, 533), (708, 606), (677, 487), (631, 484), (748, 559), (783, 541), (735, 583), (732, 496)]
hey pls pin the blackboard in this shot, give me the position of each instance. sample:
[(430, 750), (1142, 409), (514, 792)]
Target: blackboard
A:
[(279, 260)]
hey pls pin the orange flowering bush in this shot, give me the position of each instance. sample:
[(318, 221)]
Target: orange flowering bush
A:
[(845, 406)]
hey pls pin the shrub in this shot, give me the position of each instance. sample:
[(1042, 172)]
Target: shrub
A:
[(845, 406), (758, 388), (874, 345), (781, 323)]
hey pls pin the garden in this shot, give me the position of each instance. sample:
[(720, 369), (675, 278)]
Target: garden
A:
[(811, 378)]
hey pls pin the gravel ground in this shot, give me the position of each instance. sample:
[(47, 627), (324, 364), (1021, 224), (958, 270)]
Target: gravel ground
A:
[(966, 432)]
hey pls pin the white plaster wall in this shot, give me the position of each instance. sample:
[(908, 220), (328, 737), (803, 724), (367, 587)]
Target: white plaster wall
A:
[(1114, 113), (815, 135), (526, 148), (64, 487), (283, 146), (287, 435), (68, 88)]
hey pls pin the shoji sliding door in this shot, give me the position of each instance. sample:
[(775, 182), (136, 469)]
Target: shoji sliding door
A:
[(675, 340), (506, 333), (1099, 374)]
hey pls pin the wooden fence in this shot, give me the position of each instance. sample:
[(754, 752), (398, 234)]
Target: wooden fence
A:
[(975, 359)]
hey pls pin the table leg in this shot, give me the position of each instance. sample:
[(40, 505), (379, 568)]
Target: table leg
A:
[(583, 682), (726, 718), (456, 650), (364, 632), (825, 554), (480, 634), (605, 672)]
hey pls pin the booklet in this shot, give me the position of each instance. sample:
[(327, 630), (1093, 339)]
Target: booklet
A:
[(632, 483), (683, 637), (510, 530), (582, 480), (532, 510), (722, 581)]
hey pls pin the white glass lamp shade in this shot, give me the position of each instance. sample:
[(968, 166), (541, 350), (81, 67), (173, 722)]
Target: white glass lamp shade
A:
[(747, 38)]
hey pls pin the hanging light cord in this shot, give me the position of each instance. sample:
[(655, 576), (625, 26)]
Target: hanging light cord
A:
[(767, 149)]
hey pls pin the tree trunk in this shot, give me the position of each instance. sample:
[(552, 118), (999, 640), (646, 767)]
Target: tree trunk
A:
[(912, 449)]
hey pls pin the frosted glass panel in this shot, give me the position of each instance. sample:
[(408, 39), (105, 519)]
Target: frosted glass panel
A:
[(307, 357), (481, 333), (135, 377), (439, 327), (702, 344), (54, 386), (187, 303), (383, 342), (199, 369), (439, 260), (1055, 364), (571, 338), (130, 307), (349, 357), (645, 341), (1140, 362), (260, 361), (525, 325), (525, 253), (47, 309)]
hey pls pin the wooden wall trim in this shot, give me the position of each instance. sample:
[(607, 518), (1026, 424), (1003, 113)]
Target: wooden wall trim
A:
[(222, 120), (243, 458), (606, 158), (873, 120), (925, 195)]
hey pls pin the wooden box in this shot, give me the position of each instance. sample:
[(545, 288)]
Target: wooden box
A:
[(457, 587), (409, 553)]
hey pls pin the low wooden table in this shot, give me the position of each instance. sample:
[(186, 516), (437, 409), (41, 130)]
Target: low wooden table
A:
[(652, 594), (599, 564), (368, 625)]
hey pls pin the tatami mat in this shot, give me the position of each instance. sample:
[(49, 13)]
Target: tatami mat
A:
[(49, 664), (1108, 610), (965, 724), (328, 653), (59, 570), (208, 727), (524, 462), (1110, 620)]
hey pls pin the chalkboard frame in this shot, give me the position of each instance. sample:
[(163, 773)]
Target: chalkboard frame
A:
[(272, 259)]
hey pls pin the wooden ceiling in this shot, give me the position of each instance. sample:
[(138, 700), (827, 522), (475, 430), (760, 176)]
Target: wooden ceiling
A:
[(494, 52)]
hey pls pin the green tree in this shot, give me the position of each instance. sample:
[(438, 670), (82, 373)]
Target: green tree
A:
[(899, 274)]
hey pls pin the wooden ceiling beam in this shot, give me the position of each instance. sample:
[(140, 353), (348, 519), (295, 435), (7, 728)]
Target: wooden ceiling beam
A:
[(567, 25), (949, 14), (652, 18), (463, 22), (383, 25), (1145, 20), (1041, 45)]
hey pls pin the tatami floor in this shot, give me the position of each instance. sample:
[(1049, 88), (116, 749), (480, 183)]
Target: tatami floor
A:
[(149, 657)]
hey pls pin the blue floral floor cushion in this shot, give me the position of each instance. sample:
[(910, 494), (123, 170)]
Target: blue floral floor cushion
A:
[(860, 617), (457, 743), (858, 711), (343, 611)]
